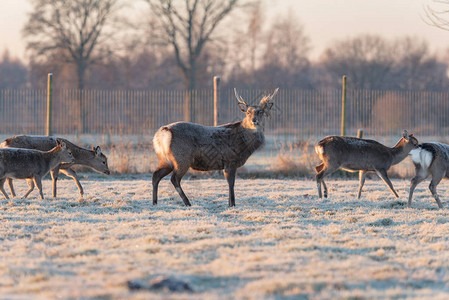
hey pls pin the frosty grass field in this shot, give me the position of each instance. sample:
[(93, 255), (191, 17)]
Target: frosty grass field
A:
[(279, 242)]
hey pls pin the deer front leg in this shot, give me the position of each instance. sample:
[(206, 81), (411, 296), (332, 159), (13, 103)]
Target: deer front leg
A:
[(54, 178), (31, 185), (362, 177), (230, 177), (2, 182), (383, 175), (38, 182), (72, 174), (11, 186)]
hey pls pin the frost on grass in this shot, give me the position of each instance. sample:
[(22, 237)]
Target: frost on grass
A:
[(280, 241)]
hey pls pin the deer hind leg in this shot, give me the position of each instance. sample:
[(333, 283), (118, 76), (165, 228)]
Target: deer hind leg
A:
[(420, 175), (38, 182), (230, 177), (31, 185), (72, 174), (383, 175), (160, 173), (178, 173), (436, 178), (11, 186), (2, 182), (362, 177), (323, 171)]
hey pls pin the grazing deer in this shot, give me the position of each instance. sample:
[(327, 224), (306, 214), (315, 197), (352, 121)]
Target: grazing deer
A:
[(354, 154), (92, 158), (429, 159), (31, 165), (180, 146)]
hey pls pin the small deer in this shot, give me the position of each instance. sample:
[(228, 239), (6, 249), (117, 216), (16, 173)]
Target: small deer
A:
[(354, 154), (92, 158), (180, 146), (31, 165), (429, 159)]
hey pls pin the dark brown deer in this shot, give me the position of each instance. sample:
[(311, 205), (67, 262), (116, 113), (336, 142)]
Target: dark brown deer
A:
[(31, 165), (354, 154), (92, 158), (430, 159), (180, 146)]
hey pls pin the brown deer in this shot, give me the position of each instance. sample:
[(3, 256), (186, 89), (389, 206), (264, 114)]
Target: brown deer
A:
[(180, 146), (31, 165), (430, 159), (92, 158), (354, 154)]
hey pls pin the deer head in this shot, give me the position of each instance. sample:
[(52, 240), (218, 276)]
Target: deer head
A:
[(255, 115)]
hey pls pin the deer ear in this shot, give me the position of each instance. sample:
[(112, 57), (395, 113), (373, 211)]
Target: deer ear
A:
[(405, 134), (97, 150), (62, 144), (269, 106), (243, 107)]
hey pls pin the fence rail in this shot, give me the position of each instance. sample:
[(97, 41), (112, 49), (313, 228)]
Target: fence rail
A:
[(301, 113)]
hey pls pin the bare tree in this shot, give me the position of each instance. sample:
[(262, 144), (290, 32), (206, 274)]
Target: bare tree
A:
[(366, 60), (13, 73), (74, 29), (187, 26), (438, 16)]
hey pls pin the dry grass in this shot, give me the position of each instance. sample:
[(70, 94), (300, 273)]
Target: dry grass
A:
[(280, 242), (295, 159)]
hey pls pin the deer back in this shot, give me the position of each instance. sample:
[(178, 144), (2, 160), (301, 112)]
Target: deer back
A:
[(353, 153), (26, 163), (93, 158), (207, 148)]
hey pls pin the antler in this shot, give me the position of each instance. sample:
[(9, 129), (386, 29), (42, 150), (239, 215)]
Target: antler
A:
[(274, 93), (239, 98)]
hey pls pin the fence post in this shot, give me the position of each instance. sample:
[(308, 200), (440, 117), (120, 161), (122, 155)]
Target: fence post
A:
[(343, 106), (216, 97), (49, 102), (360, 133)]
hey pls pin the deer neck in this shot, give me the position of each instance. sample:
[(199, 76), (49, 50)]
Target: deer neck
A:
[(400, 151), (53, 158), (82, 155), (250, 138), (248, 124)]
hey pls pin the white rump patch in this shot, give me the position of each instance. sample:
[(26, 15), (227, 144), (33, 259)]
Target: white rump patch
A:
[(161, 143), (422, 157)]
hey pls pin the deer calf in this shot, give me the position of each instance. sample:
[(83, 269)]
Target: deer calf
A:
[(92, 158), (354, 154), (429, 159), (180, 146), (31, 165)]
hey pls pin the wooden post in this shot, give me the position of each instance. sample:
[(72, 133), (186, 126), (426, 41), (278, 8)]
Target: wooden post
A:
[(360, 133), (216, 98), (343, 107), (49, 102)]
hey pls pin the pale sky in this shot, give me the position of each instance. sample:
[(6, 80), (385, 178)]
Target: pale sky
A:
[(325, 21)]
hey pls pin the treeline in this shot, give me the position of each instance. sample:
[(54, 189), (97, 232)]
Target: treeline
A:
[(255, 53)]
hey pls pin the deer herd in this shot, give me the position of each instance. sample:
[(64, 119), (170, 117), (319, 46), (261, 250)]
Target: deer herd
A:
[(180, 146)]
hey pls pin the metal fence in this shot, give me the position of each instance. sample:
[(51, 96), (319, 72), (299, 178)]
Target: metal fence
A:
[(300, 113)]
